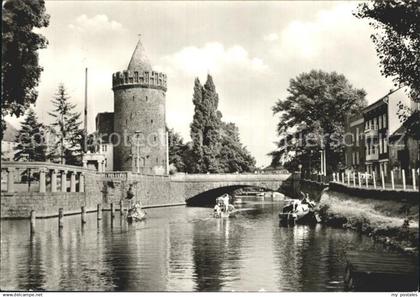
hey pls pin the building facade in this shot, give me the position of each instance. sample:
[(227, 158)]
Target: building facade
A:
[(376, 140), (354, 141), (375, 134), (8, 143)]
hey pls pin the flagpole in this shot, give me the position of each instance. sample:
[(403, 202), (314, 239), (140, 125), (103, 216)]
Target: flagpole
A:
[(85, 112)]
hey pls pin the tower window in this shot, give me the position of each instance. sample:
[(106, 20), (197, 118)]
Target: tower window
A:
[(133, 98), (157, 160), (126, 122), (154, 138), (151, 121), (146, 98)]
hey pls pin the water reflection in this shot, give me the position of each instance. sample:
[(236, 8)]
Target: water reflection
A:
[(176, 249)]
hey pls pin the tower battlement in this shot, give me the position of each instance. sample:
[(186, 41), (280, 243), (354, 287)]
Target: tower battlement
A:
[(129, 78)]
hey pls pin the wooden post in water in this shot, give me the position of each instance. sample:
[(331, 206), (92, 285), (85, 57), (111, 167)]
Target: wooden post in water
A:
[(392, 180), (403, 179), (112, 210), (60, 217), (121, 206), (342, 178), (354, 179), (334, 176), (99, 210), (33, 218), (348, 179), (360, 181), (383, 179), (413, 172), (83, 215), (374, 179)]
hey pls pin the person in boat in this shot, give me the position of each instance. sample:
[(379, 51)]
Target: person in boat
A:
[(307, 201), (217, 209), (135, 208), (225, 200)]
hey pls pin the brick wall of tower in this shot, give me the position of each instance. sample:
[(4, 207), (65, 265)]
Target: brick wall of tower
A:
[(139, 110)]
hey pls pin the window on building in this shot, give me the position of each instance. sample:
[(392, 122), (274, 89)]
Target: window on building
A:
[(104, 148)]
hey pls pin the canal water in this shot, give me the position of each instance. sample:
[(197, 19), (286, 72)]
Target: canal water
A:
[(176, 249)]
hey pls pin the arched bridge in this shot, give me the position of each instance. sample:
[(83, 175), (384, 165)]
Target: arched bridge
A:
[(204, 188)]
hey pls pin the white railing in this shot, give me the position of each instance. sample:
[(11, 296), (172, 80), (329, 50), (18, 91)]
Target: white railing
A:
[(397, 179)]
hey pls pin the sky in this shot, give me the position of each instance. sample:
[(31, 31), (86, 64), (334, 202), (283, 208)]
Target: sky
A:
[(251, 49)]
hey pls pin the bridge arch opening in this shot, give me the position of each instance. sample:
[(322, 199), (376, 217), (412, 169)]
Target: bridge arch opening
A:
[(208, 198)]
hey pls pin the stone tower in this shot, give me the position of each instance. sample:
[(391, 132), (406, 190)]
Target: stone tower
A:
[(139, 117)]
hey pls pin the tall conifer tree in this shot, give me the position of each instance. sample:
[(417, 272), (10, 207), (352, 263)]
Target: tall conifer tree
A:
[(31, 140), (215, 145), (67, 147)]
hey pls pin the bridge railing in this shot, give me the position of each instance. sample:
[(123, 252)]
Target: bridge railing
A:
[(41, 176), (229, 177)]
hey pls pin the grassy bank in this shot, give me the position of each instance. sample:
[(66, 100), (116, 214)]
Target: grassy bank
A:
[(393, 223)]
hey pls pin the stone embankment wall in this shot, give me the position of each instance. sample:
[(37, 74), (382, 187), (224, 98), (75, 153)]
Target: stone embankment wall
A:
[(149, 190)]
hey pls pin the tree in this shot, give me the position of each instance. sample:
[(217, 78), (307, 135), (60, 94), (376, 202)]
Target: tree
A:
[(196, 128), (20, 69), (397, 42), (205, 128), (215, 146), (31, 140), (313, 116), (66, 129), (397, 39), (233, 156), (177, 151)]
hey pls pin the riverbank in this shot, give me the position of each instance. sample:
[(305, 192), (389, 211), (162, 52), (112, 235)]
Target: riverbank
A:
[(391, 222)]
